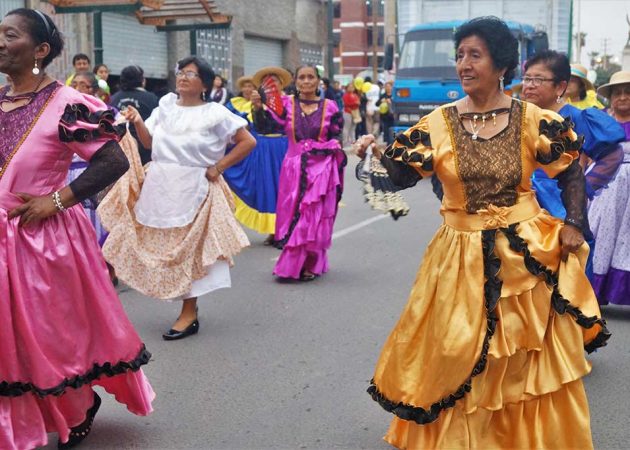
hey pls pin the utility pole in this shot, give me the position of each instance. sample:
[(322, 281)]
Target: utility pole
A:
[(606, 57), (578, 42), (375, 39), (331, 42)]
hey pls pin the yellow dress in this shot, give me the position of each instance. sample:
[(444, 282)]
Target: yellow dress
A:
[(489, 350)]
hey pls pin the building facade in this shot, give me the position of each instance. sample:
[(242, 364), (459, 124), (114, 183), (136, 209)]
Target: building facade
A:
[(287, 33), (355, 35)]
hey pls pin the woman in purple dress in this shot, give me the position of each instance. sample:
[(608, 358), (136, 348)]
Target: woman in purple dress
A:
[(609, 216), (311, 178), (62, 327)]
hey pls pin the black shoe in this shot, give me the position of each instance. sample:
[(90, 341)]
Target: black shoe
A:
[(80, 432), (173, 335)]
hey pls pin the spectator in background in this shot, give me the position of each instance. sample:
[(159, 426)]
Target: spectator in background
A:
[(351, 114), (81, 63), (580, 91), (339, 91), (371, 111), (329, 91), (219, 93), (132, 93), (102, 73), (385, 110)]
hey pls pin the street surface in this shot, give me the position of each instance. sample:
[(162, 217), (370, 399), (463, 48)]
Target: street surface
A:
[(286, 365)]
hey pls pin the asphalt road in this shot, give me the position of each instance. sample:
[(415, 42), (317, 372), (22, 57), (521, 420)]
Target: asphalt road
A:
[(286, 365)]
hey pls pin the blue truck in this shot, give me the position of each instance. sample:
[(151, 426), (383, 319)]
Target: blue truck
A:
[(425, 74)]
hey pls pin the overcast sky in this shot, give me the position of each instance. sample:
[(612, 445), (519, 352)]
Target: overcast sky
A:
[(602, 19)]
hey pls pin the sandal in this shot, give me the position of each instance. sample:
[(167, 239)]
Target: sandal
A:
[(271, 239), (81, 431), (307, 276)]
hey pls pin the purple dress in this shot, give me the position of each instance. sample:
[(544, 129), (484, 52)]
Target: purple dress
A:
[(609, 216), (62, 326), (310, 187)]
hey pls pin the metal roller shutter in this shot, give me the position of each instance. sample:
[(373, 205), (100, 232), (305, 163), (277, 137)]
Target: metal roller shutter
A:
[(127, 42), (260, 53)]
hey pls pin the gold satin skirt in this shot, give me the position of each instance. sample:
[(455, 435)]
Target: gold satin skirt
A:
[(526, 392)]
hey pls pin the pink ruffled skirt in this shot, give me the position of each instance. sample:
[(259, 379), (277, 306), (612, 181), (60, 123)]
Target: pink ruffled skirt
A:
[(62, 330)]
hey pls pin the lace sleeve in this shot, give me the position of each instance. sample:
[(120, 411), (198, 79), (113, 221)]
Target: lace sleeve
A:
[(572, 184), (106, 166), (402, 175), (603, 171)]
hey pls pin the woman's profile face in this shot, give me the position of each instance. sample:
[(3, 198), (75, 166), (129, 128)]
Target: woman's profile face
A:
[(475, 66), (17, 48), (82, 84), (620, 99), (573, 89), (218, 82), (539, 87)]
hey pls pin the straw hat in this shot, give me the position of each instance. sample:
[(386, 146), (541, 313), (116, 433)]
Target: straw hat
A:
[(242, 80), (283, 75), (621, 77), (579, 71)]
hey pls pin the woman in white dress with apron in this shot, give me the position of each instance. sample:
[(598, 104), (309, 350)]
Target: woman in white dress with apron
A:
[(173, 234)]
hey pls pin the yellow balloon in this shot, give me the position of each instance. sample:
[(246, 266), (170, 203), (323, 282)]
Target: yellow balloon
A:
[(358, 83), (366, 87)]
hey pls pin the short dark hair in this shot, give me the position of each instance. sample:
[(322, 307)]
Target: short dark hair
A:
[(131, 77), (80, 57), (41, 29), (91, 78), (501, 43), (205, 71), (556, 62)]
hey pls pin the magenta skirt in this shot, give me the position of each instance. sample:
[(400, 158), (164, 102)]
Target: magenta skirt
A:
[(310, 187)]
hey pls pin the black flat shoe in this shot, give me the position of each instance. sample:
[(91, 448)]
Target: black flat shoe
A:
[(80, 432), (173, 335)]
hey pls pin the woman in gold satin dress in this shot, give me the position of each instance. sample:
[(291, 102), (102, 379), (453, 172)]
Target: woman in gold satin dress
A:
[(489, 350)]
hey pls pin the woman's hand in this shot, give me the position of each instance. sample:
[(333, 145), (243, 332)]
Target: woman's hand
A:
[(212, 173), (34, 209), (256, 99), (571, 239), (361, 145), (131, 114)]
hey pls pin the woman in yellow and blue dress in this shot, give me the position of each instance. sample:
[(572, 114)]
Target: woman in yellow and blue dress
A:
[(489, 350), (254, 180)]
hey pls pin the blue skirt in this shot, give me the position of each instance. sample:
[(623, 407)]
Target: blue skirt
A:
[(254, 182)]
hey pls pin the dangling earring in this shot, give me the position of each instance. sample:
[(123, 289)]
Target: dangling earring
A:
[(204, 96), (35, 68), (501, 85), (559, 99)]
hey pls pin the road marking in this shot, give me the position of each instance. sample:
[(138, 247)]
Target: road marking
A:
[(358, 226)]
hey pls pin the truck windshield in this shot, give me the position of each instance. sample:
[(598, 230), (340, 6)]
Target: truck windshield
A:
[(428, 54)]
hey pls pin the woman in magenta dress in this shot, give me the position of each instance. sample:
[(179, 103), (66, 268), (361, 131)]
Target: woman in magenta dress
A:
[(62, 327), (311, 178)]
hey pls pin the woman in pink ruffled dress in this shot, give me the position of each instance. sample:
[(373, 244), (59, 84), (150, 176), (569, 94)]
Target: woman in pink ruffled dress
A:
[(311, 178), (62, 327)]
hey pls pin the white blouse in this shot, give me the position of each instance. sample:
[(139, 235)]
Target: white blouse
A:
[(186, 141)]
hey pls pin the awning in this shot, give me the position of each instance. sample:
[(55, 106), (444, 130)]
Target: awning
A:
[(174, 15), (86, 6)]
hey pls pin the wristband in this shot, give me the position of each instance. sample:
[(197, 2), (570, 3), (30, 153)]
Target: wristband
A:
[(574, 223)]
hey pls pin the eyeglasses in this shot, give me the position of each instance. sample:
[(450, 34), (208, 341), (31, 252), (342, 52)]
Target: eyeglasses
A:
[(535, 81), (188, 74)]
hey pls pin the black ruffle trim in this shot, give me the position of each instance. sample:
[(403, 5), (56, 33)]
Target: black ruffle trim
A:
[(560, 304), (280, 243), (559, 144), (97, 371), (492, 293), (78, 112), (409, 157)]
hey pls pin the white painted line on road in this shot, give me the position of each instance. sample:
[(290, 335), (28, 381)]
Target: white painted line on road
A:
[(358, 226)]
